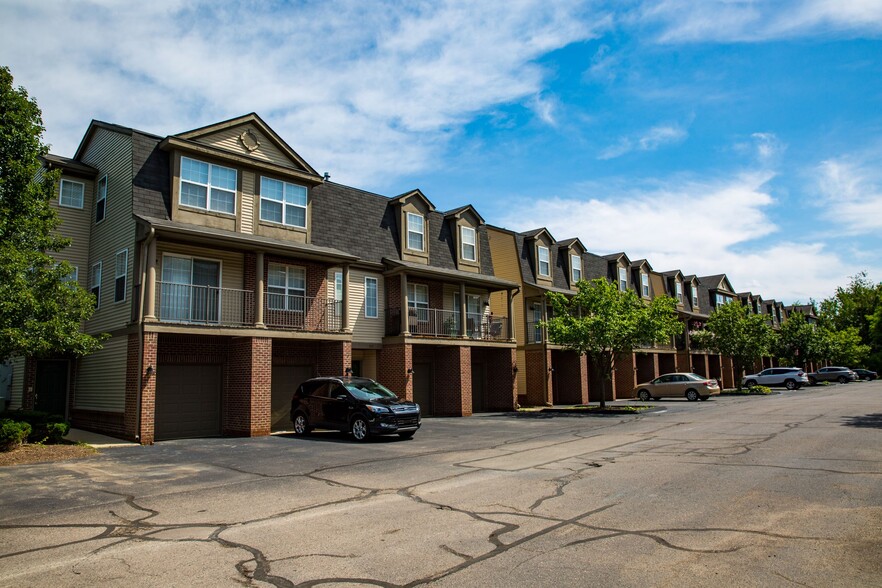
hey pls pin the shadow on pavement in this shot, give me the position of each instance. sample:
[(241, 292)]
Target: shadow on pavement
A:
[(338, 437), (872, 421)]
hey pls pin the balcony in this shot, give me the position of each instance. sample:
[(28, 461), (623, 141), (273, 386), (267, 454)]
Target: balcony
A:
[(440, 323), (535, 333), (227, 307)]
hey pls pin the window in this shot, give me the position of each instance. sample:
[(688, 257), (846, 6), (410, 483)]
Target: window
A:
[(694, 297), (469, 243), (418, 301), (95, 287), (678, 288), (70, 195), (623, 279), (101, 200), (338, 293), (208, 186), (190, 290), (73, 276), (544, 264), (371, 298), (576, 264), (721, 300), (122, 270), (644, 282), (286, 287), (281, 202), (415, 231)]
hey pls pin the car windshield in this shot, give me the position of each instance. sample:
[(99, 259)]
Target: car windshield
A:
[(369, 390), (695, 377)]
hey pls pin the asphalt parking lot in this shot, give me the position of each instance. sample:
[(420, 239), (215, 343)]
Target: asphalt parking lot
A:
[(754, 491)]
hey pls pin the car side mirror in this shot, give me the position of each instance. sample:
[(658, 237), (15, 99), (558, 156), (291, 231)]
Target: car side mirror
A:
[(341, 397)]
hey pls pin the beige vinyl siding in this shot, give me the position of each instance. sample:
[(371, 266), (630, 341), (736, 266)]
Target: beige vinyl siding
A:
[(232, 263), (246, 222), (75, 225), (506, 265), (16, 390), (228, 139), (365, 330), (101, 378), (111, 153)]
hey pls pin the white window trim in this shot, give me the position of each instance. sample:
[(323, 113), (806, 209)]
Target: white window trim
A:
[(463, 231), (82, 195), (99, 198), (623, 279), (93, 285), (207, 186), (422, 233), (289, 291), (575, 260), (376, 283), (284, 203), (678, 290), (694, 297), (539, 262), (644, 284), (124, 276)]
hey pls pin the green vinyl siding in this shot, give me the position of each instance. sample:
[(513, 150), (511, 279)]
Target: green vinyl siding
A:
[(101, 378)]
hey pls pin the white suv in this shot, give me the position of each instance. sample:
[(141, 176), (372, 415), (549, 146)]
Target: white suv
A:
[(790, 377)]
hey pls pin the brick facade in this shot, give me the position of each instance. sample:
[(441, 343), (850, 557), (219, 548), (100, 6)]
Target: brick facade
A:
[(453, 381), (700, 364), (625, 376), (646, 365), (501, 393), (667, 363), (728, 370), (684, 362), (393, 363), (569, 378)]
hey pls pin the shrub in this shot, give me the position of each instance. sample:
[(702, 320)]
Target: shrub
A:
[(762, 390), (45, 427), (12, 433)]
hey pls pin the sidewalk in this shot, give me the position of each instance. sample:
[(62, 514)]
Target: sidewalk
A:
[(96, 439)]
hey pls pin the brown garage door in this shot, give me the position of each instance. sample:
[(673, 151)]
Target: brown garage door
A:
[(188, 401), (422, 387), (286, 378)]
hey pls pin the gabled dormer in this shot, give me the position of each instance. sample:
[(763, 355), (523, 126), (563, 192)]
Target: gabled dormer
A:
[(541, 246), (719, 288), (464, 223), (757, 304), (240, 175), (640, 270), (570, 251), (675, 287), (619, 267), (746, 299), (691, 284), (413, 209)]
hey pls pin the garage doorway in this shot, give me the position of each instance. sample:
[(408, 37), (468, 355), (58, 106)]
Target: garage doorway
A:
[(286, 379), (188, 401), (422, 387)]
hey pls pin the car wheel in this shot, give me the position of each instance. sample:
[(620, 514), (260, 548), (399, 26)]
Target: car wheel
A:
[(360, 429), (692, 395), (842, 379), (644, 395), (750, 383), (790, 385), (301, 424), (406, 434)]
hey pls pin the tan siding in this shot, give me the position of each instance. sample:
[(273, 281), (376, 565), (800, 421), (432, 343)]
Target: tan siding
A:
[(246, 222), (232, 263), (75, 225), (16, 391), (365, 330), (111, 153), (101, 378), (506, 265), (228, 139)]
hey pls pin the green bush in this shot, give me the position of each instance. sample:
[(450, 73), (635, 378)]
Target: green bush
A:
[(45, 427), (761, 390), (12, 433)]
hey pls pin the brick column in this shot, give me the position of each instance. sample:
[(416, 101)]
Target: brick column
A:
[(728, 372), (248, 398), (625, 376), (393, 363), (146, 430), (333, 358), (570, 378), (683, 362), (453, 381)]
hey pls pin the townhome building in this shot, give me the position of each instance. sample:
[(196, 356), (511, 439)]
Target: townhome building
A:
[(226, 270), (715, 291)]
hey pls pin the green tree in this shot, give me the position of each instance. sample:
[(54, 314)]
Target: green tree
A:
[(857, 305), (604, 323), (732, 331), (800, 342), (40, 309)]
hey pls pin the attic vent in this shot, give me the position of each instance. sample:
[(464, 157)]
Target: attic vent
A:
[(249, 141)]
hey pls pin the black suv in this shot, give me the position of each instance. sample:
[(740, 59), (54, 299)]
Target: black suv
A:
[(359, 405)]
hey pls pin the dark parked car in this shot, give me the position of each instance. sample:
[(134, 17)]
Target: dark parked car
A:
[(357, 405), (790, 377), (866, 374), (832, 374)]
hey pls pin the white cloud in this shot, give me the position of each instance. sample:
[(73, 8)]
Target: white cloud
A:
[(851, 192), (747, 21), (346, 83), (649, 140), (544, 108)]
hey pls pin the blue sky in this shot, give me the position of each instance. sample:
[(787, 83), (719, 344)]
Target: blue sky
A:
[(715, 136)]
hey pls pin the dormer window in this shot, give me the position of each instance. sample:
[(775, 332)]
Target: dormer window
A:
[(416, 230), (281, 202), (468, 236), (623, 279), (694, 297), (644, 281), (544, 263), (576, 267), (678, 287), (208, 186)]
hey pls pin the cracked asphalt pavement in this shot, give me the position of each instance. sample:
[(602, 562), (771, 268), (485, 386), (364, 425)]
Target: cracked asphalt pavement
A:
[(755, 491)]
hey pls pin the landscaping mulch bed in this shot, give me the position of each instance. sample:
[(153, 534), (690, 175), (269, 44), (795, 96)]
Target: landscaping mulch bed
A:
[(36, 453)]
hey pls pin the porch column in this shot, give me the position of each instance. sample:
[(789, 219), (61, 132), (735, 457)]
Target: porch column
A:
[(462, 310), (150, 286), (344, 319), (405, 323), (511, 333), (259, 294)]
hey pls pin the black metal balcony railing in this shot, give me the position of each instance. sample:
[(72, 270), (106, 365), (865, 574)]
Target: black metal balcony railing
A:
[(535, 332), (437, 322), (302, 313)]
